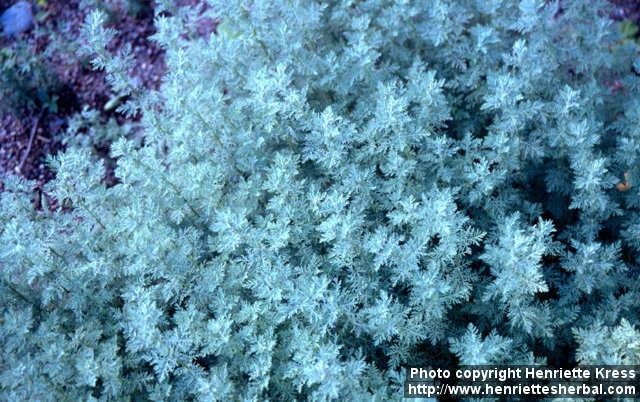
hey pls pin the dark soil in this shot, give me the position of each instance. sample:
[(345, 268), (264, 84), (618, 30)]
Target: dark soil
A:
[(80, 85), (626, 10)]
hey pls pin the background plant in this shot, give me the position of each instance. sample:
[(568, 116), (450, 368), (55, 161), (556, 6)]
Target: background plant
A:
[(26, 80)]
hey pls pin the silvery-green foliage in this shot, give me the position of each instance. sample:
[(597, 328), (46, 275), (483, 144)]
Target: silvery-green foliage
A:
[(328, 192)]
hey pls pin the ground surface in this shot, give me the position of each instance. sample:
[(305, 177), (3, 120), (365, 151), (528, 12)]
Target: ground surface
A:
[(79, 85)]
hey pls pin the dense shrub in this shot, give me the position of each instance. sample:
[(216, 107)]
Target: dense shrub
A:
[(328, 192)]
